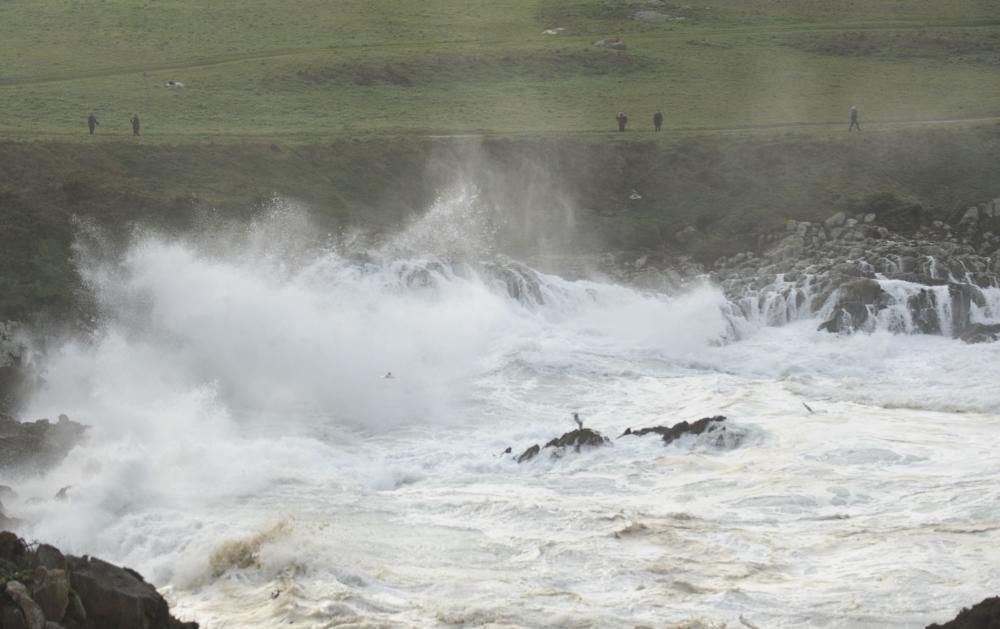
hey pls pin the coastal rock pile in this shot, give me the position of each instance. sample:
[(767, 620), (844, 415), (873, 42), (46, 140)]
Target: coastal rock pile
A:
[(714, 425), (40, 588), (576, 439), (856, 274), (36, 445), (982, 615)]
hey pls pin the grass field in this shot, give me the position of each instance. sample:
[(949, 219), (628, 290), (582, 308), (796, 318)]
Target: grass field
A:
[(312, 70), (364, 110)]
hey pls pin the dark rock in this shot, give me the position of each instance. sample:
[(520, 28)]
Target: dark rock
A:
[(980, 333), (962, 298), (12, 618), (851, 310), (118, 598), (923, 308), (39, 444), (13, 549), (50, 557), (50, 590), (33, 615), (983, 615), (578, 438), (672, 433), (529, 454)]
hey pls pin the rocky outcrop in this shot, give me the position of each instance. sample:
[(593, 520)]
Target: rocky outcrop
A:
[(675, 432), (856, 274), (983, 615), (576, 439), (42, 589), (37, 445), (980, 333)]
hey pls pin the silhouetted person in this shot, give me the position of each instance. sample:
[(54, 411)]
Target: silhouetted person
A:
[(854, 119), (135, 124), (622, 120), (92, 123), (579, 422), (657, 121)]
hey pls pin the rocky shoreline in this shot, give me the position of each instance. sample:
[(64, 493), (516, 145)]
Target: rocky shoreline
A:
[(40, 588)]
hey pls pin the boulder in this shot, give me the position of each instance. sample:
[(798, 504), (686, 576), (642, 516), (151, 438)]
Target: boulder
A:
[(529, 454), (576, 439), (982, 615), (851, 310), (39, 444), (34, 617), (980, 333), (12, 618), (117, 598), (675, 432), (50, 589)]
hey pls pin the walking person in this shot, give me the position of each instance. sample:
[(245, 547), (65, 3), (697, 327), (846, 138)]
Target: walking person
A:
[(622, 120), (854, 120), (657, 121), (92, 123), (135, 124)]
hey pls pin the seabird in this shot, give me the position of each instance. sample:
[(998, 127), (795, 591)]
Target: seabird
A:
[(807, 408), (387, 375)]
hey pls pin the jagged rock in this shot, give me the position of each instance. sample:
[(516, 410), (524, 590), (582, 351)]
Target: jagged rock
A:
[(982, 615), (50, 557), (678, 430), (923, 309), (117, 598), (980, 333), (836, 220), (971, 214), (38, 444), (962, 298), (13, 548), (851, 310), (33, 615), (529, 454), (12, 618), (50, 590), (576, 439)]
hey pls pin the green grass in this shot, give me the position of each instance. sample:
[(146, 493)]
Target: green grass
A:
[(364, 110), (314, 70)]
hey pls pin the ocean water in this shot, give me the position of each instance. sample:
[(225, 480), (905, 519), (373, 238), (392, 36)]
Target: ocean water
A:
[(249, 456)]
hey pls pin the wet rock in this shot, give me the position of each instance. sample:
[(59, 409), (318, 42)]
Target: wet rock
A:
[(578, 438), (39, 444), (923, 309), (50, 589), (50, 557), (851, 309), (669, 434), (12, 618), (980, 333), (982, 615), (529, 454), (33, 615), (836, 220), (118, 598)]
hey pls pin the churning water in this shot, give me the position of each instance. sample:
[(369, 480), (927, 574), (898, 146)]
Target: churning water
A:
[(250, 458)]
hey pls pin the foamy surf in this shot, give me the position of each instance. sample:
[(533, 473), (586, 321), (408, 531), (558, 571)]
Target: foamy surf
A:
[(248, 456)]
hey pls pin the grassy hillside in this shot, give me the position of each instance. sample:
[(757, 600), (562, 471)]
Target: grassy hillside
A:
[(311, 70), (364, 110)]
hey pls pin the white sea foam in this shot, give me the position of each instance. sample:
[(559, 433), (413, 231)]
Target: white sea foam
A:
[(248, 456)]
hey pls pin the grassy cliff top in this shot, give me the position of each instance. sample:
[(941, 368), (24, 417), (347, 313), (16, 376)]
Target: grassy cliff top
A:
[(311, 70)]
